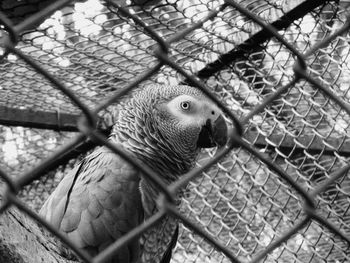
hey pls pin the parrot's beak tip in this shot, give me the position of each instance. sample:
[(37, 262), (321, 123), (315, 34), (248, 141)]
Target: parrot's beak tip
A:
[(220, 131), (213, 134)]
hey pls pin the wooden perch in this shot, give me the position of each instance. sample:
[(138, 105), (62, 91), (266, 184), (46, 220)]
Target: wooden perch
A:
[(23, 241)]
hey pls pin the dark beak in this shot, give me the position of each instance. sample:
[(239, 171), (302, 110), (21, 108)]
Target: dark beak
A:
[(213, 134)]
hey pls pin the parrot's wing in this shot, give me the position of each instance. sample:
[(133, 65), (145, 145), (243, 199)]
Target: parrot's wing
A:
[(168, 253), (98, 202)]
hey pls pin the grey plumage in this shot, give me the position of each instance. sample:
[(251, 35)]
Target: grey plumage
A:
[(105, 197)]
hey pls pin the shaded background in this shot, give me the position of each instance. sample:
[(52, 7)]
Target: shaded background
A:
[(94, 51)]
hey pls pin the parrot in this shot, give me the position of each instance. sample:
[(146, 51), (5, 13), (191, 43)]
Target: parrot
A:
[(104, 197)]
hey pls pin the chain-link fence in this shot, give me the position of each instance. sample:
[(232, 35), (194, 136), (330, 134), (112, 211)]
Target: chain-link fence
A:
[(278, 192)]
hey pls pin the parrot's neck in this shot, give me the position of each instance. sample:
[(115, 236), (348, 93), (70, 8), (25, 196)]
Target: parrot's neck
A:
[(162, 160), (137, 131)]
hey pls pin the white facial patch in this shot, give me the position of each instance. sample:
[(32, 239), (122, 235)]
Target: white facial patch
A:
[(192, 111)]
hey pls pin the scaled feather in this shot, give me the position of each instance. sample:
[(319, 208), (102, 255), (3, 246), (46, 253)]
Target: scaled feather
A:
[(105, 197)]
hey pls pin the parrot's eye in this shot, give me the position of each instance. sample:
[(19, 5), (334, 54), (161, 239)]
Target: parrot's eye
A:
[(185, 105)]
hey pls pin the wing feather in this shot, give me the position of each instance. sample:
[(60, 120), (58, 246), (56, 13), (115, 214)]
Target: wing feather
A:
[(97, 203)]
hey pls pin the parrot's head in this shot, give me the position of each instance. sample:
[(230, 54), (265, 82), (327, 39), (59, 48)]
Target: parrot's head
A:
[(168, 125), (191, 121)]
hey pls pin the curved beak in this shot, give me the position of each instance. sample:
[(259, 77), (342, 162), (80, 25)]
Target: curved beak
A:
[(213, 133)]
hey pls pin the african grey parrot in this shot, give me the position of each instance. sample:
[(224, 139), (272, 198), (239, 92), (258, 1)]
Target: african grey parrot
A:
[(104, 197)]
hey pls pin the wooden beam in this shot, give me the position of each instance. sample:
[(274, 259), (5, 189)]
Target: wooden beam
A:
[(288, 145), (38, 119), (285, 144), (253, 44)]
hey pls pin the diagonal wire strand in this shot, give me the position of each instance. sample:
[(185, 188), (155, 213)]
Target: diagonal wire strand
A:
[(162, 53)]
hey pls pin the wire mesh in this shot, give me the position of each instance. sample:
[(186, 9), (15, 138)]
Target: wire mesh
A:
[(279, 70)]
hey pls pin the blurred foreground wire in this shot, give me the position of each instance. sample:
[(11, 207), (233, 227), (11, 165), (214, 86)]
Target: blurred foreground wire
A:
[(302, 74)]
